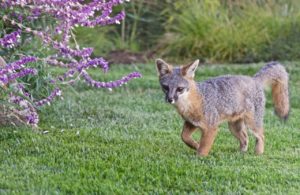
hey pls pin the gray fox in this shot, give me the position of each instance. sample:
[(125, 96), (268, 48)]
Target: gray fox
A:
[(240, 100)]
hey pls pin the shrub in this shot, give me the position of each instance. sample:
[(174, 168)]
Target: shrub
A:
[(243, 31), (39, 34)]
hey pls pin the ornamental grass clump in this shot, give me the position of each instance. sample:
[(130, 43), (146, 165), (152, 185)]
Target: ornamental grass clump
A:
[(232, 31), (37, 35)]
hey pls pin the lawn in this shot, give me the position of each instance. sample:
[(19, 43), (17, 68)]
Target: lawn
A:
[(128, 142)]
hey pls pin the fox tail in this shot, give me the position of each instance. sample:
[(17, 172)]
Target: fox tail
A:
[(274, 74)]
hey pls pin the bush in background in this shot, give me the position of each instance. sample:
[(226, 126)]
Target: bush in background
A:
[(139, 31), (233, 31), (213, 30)]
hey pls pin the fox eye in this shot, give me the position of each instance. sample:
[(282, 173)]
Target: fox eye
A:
[(180, 89), (165, 87)]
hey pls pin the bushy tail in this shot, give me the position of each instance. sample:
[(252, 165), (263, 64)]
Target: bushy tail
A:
[(275, 75)]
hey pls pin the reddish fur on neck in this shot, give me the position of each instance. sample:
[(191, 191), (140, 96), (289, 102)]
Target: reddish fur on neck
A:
[(191, 107)]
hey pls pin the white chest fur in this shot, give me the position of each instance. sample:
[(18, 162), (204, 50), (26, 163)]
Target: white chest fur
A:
[(183, 104)]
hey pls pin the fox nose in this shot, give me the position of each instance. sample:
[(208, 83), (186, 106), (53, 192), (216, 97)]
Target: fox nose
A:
[(171, 100)]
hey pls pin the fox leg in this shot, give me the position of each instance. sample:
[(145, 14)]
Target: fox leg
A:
[(239, 130), (258, 133), (187, 131), (206, 141)]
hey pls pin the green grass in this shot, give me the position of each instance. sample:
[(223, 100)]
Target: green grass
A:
[(128, 142)]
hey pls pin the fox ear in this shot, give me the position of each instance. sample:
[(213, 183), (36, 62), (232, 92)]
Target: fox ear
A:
[(189, 70), (162, 67)]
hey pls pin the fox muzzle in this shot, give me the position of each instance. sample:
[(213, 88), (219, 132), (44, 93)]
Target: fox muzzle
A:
[(171, 100), (171, 96)]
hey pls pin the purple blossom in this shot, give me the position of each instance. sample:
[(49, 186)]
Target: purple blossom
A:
[(20, 63), (112, 84), (22, 73), (105, 20), (67, 14), (4, 79), (16, 70), (55, 62), (32, 118), (25, 109), (93, 63), (56, 92), (10, 40)]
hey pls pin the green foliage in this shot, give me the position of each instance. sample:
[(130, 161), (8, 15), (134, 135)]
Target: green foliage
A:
[(97, 37), (128, 142), (215, 30), (140, 30), (242, 31)]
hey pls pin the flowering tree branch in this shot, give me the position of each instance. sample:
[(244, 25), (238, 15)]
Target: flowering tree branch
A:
[(65, 15)]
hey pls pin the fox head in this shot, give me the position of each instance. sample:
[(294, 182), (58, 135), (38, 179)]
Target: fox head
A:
[(175, 81)]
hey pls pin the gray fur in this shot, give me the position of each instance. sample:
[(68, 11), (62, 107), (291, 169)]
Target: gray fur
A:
[(273, 71), (173, 81), (240, 100), (230, 95)]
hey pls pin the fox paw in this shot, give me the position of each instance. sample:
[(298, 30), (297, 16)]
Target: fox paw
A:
[(244, 148)]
